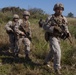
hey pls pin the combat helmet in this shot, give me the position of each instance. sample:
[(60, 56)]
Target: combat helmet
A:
[(58, 5), (15, 16), (26, 13)]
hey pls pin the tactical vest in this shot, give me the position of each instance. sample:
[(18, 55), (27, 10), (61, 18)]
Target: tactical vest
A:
[(14, 24), (25, 25), (57, 20), (52, 22)]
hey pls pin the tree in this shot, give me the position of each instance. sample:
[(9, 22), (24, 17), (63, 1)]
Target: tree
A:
[(70, 14), (36, 10), (37, 13)]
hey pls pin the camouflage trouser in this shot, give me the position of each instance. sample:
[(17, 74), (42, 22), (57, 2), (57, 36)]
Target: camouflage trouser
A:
[(12, 42), (54, 52), (26, 43)]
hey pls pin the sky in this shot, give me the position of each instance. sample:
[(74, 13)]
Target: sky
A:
[(46, 5)]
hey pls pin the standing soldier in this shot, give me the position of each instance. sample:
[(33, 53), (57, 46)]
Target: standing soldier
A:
[(10, 31), (56, 28), (23, 32)]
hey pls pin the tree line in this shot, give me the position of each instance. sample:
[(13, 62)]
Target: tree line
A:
[(6, 13)]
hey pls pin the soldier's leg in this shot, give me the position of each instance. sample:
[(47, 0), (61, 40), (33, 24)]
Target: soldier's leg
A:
[(51, 52), (17, 45), (57, 54), (27, 46), (12, 42), (48, 57)]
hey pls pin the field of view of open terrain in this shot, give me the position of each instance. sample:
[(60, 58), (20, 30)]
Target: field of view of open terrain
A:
[(39, 48)]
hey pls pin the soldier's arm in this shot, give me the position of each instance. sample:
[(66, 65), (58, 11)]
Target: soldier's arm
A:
[(47, 25), (67, 30), (17, 27), (66, 25), (17, 30), (8, 26)]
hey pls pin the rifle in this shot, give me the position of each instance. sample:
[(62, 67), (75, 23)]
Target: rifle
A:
[(63, 34), (26, 33)]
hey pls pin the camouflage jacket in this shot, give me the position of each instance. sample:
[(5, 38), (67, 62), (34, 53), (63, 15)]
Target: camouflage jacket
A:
[(50, 23), (23, 24), (10, 26)]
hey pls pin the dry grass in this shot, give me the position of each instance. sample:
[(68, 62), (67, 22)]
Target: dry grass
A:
[(39, 49)]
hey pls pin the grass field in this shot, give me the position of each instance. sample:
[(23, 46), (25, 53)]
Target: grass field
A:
[(39, 50)]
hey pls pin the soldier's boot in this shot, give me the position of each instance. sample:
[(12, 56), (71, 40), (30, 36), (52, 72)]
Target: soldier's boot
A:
[(16, 53), (57, 71), (16, 58), (11, 50), (46, 64), (27, 55)]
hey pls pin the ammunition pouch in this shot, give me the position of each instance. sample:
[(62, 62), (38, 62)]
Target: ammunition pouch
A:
[(57, 31), (62, 35), (47, 36)]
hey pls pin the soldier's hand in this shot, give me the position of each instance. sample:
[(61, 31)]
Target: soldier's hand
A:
[(10, 30), (68, 34), (41, 22), (22, 33)]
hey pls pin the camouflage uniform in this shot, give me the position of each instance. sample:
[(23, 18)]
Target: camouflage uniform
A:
[(54, 40), (23, 38), (10, 31)]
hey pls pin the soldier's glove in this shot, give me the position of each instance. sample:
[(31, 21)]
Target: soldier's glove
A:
[(41, 23), (67, 35), (22, 33), (64, 35)]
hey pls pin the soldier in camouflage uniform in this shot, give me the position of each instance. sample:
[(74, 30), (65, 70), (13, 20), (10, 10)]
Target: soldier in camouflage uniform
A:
[(10, 31), (23, 32), (52, 25)]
